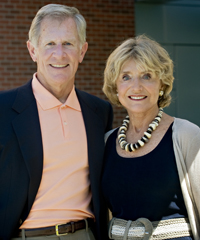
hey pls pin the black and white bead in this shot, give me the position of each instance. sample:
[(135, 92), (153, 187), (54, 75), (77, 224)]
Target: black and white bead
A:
[(131, 147)]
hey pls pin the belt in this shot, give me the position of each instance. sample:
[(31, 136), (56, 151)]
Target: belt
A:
[(59, 229), (143, 229)]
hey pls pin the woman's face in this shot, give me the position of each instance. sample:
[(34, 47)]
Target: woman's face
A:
[(138, 91)]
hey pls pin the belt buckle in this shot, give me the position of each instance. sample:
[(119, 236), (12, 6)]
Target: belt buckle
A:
[(148, 228), (57, 230)]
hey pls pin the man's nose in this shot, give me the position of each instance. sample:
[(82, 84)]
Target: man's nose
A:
[(59, 50)]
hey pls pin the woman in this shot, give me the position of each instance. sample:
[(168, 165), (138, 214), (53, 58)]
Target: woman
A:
[(151, 178)]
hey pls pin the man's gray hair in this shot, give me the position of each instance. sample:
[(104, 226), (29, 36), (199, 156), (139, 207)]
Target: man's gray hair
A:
[(57, 12)]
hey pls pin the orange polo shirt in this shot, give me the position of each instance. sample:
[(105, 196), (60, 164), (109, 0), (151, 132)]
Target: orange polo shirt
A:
[(64, 194)]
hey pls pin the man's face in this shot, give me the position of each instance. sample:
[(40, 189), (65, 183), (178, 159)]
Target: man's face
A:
[(58, 53)]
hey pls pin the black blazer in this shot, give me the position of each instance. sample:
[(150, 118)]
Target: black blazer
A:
[(21, 155)]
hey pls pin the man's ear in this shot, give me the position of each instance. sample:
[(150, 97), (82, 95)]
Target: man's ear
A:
[(83, 51), (32, 50)]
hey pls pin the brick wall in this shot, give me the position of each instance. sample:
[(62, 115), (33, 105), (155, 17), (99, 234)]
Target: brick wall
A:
[(108, 23)]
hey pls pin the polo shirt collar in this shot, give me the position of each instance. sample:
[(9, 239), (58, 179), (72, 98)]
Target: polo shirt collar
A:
[(47, 100)]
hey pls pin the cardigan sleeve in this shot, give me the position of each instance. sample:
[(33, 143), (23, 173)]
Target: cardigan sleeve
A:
[(186, 141)]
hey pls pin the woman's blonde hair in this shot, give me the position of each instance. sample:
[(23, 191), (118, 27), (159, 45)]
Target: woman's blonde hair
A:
[(149, 56)]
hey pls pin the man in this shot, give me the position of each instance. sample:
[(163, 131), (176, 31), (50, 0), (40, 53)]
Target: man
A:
[(51, 138)]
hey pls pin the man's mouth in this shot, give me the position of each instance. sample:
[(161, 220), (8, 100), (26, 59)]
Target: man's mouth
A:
[(59, 66)]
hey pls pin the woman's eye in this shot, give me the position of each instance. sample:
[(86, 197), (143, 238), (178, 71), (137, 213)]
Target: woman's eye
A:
[(126, 77), (146, 76)]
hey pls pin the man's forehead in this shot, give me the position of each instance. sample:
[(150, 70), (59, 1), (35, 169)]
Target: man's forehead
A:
[(51, 28), (52, 21), (56, 18)]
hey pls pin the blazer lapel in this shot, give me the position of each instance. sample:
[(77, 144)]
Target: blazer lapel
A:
[(27, 128), (95, 140)]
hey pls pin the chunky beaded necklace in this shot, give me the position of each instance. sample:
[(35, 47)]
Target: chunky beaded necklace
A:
[(130, 147)]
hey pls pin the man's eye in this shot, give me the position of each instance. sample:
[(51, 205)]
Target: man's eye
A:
[(126, 77), (146, 76), (50, 44), (67, 44)]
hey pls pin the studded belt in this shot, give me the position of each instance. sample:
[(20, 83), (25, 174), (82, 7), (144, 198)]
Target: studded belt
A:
[(143, 229)]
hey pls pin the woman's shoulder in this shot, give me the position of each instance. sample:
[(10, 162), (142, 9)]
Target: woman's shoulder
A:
[(183, 124), (185, 129)]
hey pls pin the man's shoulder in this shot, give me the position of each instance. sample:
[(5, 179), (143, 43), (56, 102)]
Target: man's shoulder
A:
[(8, 96), (14, 90), (8, 92), (89, 98)]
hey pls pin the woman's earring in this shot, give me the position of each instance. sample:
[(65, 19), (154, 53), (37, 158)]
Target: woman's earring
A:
[(161, 93), (117, 95)]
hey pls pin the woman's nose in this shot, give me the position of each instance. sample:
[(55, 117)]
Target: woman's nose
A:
[(136, 83)]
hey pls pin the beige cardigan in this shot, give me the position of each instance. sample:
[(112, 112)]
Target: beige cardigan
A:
[(186, 143)]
